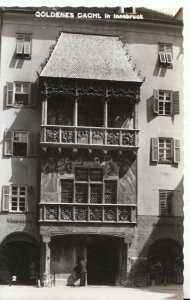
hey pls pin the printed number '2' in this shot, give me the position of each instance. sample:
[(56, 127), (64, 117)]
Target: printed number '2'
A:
[(14, 278)]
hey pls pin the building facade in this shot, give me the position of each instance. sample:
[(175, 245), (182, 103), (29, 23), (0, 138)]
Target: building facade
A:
[(91, 131)]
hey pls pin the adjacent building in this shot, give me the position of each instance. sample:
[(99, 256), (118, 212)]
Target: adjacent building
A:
[(91, 108)]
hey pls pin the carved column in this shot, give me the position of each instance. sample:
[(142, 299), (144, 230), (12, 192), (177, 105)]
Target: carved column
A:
[(106, 113), (44, 111), (135, 120), (46, 257), (75, 121)]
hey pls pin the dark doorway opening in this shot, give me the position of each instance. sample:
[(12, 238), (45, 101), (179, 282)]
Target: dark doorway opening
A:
[(102, 262), (19, 262)]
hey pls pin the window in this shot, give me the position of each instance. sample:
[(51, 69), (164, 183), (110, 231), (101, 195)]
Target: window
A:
[(89, 186), (19, 143), (165, 150), (17, 198), (165, 55), (23, 46), (166, 203), (20, 93), (166, 103)]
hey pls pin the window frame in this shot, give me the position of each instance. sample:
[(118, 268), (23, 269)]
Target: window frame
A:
[(164, 148), (164, 101), (20, 141), (8, 196), (9, 143), (166, 198), (19, 197), (174, 154), (11, 94), (89, 184), (165, 53), (174, 102), (23, 46)]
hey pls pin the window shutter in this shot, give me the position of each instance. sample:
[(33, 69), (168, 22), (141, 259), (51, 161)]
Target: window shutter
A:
[(169, 58), (175, 103), (162, 57), (32, 144), (27, 45), (8, 142), (30, 204), (32, 96), (9, 93), (19, 44), (176, 149), (156, 99), (154, 149), (6, 197), (162, 196), (170, 197)]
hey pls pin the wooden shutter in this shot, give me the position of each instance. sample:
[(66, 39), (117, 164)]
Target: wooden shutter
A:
[(162, 57), (8, 142), (6, 198), (19, 44), (175, 103), (31, 144), (169, 58), (154, 143), (156, 101), (176, 150), (32, 95), (30, 200), (9, 94), (163, 203), (27, 45)]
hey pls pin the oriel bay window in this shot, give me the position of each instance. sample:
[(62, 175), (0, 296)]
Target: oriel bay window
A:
[(90, 112), (165, 150), (60, 111), (88, 186)]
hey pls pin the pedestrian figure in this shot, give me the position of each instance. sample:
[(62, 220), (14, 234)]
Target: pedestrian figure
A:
[(159, 271), (167, 272), (74, 276), (81, 263), (152, 275)]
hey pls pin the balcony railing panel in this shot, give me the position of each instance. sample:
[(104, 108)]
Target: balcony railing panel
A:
[(85, 212), (124, 137)]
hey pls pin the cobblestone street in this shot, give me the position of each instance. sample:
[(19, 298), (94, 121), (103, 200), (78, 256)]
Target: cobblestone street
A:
[(173, 292)]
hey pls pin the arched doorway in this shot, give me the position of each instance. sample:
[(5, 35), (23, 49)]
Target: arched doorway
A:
[(19, 260), (102, 261), (169, 253)]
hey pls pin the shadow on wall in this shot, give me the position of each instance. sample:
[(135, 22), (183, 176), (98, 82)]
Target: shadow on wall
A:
[(23, 166), (160, 260)]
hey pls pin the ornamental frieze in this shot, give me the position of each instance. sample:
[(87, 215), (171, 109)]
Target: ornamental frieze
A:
[(88, 88)]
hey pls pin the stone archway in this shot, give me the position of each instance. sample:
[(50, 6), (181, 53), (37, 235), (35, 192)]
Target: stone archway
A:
[(169, 253), (19, 259)]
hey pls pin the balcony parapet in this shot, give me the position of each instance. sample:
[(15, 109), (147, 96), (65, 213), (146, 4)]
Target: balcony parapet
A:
[(87, 213), (89, 136)]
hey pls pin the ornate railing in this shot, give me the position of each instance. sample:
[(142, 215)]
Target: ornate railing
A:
[(98, 213), (71, 135)]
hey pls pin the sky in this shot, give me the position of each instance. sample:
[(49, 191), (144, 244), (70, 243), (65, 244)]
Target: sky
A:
[(170, 5)]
